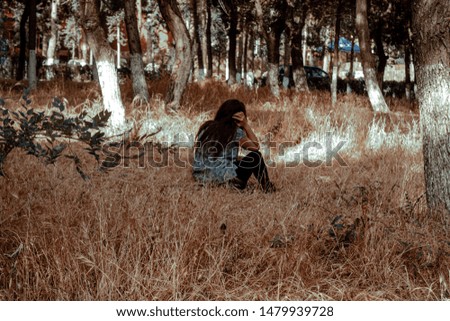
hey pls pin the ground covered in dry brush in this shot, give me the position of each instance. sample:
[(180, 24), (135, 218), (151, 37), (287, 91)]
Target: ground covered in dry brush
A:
[(359, 231)]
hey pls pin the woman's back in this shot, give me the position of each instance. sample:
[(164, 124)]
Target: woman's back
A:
[(214, 164)]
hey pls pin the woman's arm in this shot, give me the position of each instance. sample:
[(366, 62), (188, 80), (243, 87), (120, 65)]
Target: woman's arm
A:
[(250, 142)]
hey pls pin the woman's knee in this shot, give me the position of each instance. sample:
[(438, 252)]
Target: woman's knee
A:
[(252, 160), (255, 155), (256, 152)]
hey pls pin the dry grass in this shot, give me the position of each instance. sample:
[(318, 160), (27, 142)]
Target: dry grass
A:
[(356, 232)]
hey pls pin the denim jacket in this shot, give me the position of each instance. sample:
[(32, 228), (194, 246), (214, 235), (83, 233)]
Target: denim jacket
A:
[(217, 169)]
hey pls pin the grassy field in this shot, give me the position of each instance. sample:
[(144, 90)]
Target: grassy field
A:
[(353, 231)]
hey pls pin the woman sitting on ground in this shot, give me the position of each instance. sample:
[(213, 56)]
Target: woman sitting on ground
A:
[(217, 148)]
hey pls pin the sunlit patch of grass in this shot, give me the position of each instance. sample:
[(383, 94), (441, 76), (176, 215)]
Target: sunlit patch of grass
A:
[(407, 138)]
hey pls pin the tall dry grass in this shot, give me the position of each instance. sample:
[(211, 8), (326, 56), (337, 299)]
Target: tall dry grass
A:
[(355, 232)]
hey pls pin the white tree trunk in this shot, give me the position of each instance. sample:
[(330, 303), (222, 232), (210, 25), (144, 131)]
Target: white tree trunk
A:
[(84, 51), (104, 59), (304, 41), (432, 62), (227, 69), (51, 48), (326, 61), (334, 81), (373, 90), (73, 50), (51, 51), (139, 14), (434, 102), (326, 54), (370, 75), (112, 100), (273, 79), (149, 45), (204, 40), (118, 46)]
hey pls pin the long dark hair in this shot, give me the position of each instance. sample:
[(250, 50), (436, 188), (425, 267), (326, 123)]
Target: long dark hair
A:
[(220, 131)]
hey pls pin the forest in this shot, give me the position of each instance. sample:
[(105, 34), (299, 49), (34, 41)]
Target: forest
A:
[(100, 104)]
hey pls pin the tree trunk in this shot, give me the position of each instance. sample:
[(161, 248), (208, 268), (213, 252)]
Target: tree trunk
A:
[(23, 42), (218, 63), (119, 65), (197, 43), (240, 51), (287, 57), (326, 52), (32, 62), (382, 58), (305, 36), (273, 59), (252, 52), (74, 49), (51, 49), (407, 72), (203, 29), (183, 57), (296, 23), (134, 44), (44, 41), (209, 70), (432, 64), (139, 15), (408, 46), (148, 35), (350, 75), (104, 59), (272, 34), (245, 59), (370, 76), (232, 35), (337, 31), (84, 49)]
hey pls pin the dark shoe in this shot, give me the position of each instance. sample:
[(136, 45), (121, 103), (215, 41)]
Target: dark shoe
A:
[(269, 188), (237, 183)]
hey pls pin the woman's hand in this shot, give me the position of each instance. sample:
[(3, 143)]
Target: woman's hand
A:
[(240, 119), (250, 142)]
